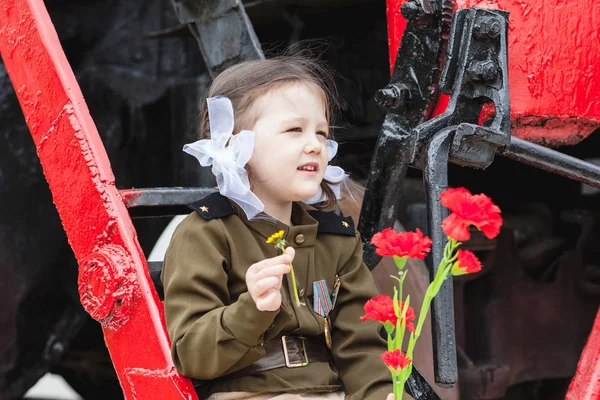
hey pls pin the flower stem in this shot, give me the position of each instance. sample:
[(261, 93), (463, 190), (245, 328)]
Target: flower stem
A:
[(440, 276), (397, 388), (296, 298)]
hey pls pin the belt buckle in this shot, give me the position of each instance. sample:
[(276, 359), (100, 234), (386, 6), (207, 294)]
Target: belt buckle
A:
[(287, 357)]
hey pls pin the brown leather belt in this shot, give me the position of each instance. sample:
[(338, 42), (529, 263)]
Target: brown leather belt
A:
[(287, 351), (283, 351)]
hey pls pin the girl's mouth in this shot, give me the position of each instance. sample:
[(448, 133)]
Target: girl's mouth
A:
[(310, 168)]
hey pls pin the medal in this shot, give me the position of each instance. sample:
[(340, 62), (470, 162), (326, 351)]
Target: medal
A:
[(323, 305), (327, 328)]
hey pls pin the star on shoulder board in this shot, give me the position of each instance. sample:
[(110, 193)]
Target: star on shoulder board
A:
[(212, 206)]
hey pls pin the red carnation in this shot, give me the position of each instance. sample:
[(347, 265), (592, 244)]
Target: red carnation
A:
[(395, 360), (381, 308), (466, 263), (404, 244), (469, 209)]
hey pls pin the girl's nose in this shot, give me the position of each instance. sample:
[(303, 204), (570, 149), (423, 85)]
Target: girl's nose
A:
[(313, 144)]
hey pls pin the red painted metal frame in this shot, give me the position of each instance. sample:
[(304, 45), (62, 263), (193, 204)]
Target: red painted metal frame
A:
[(554, 79), (553, 62), (586, 383), (114, 283)]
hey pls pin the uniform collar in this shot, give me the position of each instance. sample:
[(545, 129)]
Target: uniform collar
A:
[(306, 220), (302, 233)]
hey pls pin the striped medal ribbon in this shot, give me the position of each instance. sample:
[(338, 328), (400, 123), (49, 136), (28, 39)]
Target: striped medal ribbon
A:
[(322, 305)]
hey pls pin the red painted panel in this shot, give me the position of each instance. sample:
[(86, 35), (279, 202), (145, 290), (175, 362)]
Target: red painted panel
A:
[(554, 66), (586, 383), (114, 283)]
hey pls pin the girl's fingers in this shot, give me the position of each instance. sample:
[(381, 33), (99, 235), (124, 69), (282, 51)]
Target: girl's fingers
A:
[(264, 285), (269, 262), (270, 302), (277, 270), (290, 251), (263, 280), (391, 397), (280, 259)]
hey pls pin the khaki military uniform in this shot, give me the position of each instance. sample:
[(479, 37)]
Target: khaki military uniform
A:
[(216, 329)]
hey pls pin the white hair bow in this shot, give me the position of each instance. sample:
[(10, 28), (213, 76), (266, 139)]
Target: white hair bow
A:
[(335, 176), (228, 154)]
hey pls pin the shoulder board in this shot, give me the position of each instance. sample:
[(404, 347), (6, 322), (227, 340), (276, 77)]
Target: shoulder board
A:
[(215, 205), (330, 222)]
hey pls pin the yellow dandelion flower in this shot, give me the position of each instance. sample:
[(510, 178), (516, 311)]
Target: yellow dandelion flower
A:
[(276, 236), (280, 243)]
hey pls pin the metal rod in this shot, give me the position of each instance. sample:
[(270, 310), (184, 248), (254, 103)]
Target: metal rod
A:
[(164, 196), (552, 161), (435, 175)]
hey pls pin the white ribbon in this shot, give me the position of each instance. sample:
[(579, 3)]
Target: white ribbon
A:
[(228, 154), (334, 175)]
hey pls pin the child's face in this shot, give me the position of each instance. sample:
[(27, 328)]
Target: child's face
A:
[(290, 154)]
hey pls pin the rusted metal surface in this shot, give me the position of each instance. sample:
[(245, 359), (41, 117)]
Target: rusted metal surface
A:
[(79, 175)]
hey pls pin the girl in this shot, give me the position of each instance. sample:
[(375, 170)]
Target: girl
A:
[(229, 300)]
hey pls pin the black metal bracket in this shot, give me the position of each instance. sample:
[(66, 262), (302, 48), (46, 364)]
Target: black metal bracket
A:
[(475, 73), (222, 29), (406, 98)]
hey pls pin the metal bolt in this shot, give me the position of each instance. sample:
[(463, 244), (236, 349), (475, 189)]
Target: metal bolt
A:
[(482, 70), (57, 349), (487, 27), (393, 97)]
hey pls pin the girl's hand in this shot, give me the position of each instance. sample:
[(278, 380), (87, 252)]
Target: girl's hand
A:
[(263, 280), (391, 397)]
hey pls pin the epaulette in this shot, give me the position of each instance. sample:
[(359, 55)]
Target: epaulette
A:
[(330, 222), (215, 205)]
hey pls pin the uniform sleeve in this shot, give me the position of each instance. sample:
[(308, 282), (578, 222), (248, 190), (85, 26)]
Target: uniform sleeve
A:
[(356, 344), (210, 336)]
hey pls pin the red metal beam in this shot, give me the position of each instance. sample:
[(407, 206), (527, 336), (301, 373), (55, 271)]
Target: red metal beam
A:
[(114, 283), (586, 382)]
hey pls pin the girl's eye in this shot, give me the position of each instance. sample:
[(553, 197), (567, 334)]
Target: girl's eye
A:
[(298, 129), (323, 133)]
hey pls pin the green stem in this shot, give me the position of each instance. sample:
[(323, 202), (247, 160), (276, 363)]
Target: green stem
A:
[(397, 388), (296, 298), (294, 285), (440, 276), (401, 389)]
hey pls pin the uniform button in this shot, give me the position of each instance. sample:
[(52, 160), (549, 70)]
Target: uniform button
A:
[(299, 239)]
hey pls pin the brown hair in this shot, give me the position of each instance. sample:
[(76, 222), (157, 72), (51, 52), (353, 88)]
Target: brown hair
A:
[(246, 81)]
